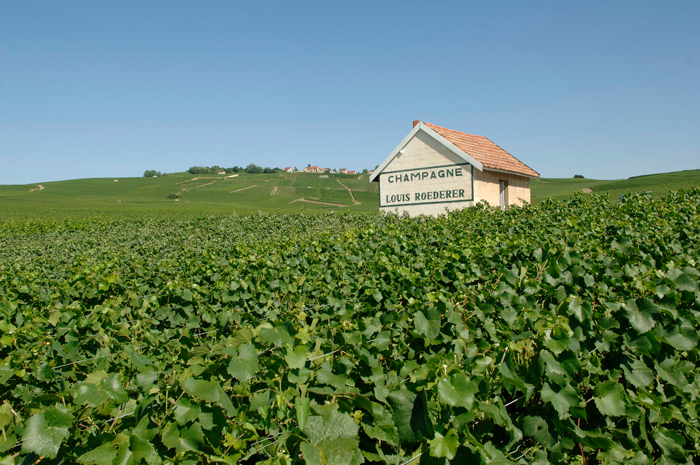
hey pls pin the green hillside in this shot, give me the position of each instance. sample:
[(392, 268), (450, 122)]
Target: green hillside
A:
[(200, 195), (658, 184), (196, 195)]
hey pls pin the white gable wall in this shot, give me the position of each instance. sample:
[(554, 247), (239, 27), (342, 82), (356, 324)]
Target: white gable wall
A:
[(423, 151)]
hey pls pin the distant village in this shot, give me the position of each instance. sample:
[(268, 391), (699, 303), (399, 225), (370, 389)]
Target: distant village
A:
[(316, 169)]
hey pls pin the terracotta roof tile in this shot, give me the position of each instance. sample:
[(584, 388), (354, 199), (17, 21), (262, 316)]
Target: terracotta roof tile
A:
[(484, 151)]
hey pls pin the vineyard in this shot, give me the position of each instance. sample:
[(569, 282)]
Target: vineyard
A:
[(565, 332)]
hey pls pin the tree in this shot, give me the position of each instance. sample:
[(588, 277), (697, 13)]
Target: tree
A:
[(150, 173), (253, 169), (199, 170), (365, 171), (578, 176)]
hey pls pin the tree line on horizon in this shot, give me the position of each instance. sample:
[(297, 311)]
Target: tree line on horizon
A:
[(251, 169)]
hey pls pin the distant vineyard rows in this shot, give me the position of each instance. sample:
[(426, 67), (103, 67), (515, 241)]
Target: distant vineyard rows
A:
[(565, 332)]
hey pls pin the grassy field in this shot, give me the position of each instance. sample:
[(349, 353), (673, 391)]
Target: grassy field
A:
[(201, 195)]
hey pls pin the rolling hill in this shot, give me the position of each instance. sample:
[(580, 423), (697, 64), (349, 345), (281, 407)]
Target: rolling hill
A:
[(184, 194), (658, 184)]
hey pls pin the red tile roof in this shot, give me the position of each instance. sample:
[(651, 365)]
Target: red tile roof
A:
[(484, 151)]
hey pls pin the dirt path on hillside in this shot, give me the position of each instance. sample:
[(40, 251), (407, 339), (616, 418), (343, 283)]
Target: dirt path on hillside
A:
[(39, 187), (355, 202), (196, 187), (202, 185), (320, 203), (243, 188), (188, 180), (274, 190)]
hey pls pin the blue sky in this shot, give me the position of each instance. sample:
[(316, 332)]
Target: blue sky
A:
[(97, 89)]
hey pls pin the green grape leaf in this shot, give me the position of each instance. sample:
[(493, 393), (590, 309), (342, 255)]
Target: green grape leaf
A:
[(210, 392), (102, 455), (638, 373), (444, 446), (186, 411), (640, 314), (96, 394), (562, 401), (330, 426), (6, 416), (142, 449), (430, 328), (538, 428), (277, 336), (296, 357), (46, 431), (457, 391), (410, 414), (303, 409), (244, 362), (182, 440), (610, 398), (685, 283)]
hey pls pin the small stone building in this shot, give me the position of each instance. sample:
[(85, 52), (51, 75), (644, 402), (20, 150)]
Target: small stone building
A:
[(435, 169)]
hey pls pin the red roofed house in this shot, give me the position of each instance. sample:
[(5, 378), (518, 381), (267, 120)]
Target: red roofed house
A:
[(288, 169), (312, 169), (435, 169)]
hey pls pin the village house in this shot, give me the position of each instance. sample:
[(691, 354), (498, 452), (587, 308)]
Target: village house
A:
[(288, 169), (351, 172), (343, 170), (435, 169), (312, 169)]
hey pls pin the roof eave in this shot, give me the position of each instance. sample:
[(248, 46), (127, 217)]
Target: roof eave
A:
[(516, 173)]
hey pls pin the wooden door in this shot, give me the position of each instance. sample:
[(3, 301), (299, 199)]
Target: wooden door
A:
[(504, 196)]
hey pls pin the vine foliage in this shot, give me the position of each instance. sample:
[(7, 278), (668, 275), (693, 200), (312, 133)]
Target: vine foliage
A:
[(557, 333)]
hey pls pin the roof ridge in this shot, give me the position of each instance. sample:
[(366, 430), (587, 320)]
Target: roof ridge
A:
[(453, 130)]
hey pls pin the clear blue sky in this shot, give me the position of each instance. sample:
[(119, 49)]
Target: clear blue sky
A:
[(110, 89)]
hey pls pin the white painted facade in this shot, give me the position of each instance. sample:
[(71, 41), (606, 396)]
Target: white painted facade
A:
[(418, 173)]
